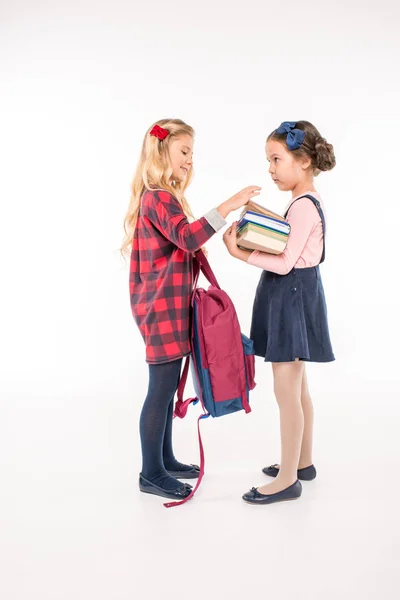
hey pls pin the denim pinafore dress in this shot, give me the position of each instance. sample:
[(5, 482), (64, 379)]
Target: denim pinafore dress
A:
[(290, 318)]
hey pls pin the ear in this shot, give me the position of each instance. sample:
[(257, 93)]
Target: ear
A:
[(306, 163)]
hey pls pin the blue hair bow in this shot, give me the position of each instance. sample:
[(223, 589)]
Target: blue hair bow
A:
[(295, 137)]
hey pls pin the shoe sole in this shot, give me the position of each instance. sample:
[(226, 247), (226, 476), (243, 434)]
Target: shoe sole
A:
[(180, 475), (274, 502), (161, 495)]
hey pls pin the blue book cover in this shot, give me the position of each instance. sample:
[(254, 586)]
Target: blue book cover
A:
[(281, 227), (252, 217)]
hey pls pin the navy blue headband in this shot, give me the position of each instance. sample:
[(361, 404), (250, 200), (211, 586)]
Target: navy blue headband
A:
[(295, 137)]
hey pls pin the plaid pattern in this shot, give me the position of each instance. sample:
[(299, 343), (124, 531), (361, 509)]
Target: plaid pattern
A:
[(161, 278)]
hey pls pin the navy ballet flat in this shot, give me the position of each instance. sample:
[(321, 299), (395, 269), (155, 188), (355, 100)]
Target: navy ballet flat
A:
[(148, 487), (291, 493), (305, 474), (192, 474)]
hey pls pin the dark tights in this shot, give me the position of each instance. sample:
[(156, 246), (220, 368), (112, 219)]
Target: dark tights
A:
[(156, 426)]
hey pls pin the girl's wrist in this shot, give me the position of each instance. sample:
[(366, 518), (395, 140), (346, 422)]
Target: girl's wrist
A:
[(224, 209), (240, 254)]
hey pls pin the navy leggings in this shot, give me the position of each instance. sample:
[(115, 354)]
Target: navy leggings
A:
[(156, 424)]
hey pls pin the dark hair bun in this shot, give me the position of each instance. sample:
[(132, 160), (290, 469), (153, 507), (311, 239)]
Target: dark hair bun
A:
[(324, 155)]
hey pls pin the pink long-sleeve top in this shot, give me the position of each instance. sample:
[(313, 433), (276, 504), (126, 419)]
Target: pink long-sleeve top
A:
[(305, 243)]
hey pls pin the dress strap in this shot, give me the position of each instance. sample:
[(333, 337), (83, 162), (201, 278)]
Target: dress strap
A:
[(321, 214)]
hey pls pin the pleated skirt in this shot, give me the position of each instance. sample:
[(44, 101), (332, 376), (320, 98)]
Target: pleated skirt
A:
[(290, 319)]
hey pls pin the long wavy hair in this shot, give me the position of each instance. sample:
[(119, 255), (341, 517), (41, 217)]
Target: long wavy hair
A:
[(154, 171)]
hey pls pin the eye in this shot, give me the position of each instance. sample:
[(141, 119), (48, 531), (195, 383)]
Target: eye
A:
[(184, 152), (276, 158)]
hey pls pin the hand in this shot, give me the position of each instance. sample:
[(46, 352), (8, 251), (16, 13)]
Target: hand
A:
[(229, 239), (203, 249), (242, 198), (238, 200)]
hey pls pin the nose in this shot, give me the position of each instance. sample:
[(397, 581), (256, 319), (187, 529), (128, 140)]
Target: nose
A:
[(271, 168)]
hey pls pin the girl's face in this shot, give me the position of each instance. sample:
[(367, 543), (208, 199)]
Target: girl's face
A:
[(286, 170), (181, 157)]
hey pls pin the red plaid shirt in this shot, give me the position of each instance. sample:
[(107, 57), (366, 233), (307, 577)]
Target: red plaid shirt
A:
[(161, 279)]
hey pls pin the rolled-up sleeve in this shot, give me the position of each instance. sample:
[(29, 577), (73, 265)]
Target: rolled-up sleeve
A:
[(216, 221)]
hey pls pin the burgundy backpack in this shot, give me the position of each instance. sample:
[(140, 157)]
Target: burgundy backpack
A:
[(221, 360)]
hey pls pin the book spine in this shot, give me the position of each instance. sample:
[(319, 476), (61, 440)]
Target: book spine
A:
[(243, 223), (259, 215), (283, 228)]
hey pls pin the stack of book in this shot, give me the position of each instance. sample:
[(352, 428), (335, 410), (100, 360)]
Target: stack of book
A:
[(261, 229)]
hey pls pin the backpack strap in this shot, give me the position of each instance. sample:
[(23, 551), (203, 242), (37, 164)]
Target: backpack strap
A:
[(201, 474), (181, 408), (201, 264), (317, 205), (181, 405)]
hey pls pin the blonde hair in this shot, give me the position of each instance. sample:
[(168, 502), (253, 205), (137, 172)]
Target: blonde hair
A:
[(154, 172)]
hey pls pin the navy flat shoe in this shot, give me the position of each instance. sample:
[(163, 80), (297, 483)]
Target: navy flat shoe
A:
[(192, 474), (305, 474), (148, 487), (290, 493)]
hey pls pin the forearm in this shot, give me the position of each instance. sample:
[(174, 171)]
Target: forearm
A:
[(240, 254), (280, 264), (224, 209)]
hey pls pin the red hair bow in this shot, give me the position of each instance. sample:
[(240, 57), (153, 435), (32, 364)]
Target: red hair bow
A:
[(159, 132)]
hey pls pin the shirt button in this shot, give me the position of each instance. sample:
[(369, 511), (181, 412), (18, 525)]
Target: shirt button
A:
[(295, 289)]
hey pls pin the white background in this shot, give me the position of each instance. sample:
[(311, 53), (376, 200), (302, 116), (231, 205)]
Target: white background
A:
[(80, 84)]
